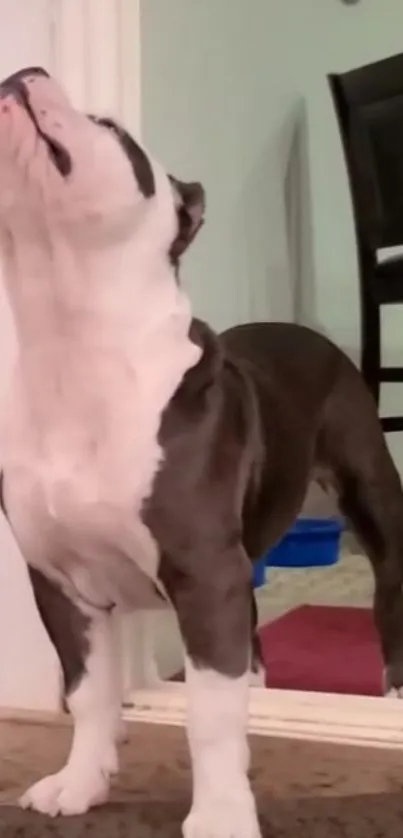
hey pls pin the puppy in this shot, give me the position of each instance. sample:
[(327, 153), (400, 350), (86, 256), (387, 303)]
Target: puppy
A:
[(148, 461)]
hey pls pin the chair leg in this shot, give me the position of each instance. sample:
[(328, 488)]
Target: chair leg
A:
[(371, 347)]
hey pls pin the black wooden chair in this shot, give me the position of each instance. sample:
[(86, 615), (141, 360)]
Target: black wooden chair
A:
[(369, 107)]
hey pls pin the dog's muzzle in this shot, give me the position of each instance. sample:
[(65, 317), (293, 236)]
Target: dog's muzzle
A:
[(15, 86)]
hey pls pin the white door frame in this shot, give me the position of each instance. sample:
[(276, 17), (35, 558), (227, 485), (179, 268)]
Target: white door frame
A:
[(97, 55)]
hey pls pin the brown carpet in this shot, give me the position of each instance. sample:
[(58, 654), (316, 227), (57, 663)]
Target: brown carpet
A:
[(378, 817), (304, 790)]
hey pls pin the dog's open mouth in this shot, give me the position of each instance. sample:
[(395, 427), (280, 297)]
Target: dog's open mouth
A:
[(16, 86)]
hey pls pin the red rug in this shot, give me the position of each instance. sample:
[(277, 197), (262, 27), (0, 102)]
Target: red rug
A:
[(323, 649)]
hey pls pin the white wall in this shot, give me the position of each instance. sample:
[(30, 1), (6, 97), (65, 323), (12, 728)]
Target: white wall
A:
[(344, 38), (223, 83), (217, 97)]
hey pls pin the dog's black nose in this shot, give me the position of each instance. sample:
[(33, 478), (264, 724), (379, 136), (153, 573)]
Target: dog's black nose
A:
[(13, 83)]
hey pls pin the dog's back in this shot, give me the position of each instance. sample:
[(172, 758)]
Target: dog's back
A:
[(288, 356)]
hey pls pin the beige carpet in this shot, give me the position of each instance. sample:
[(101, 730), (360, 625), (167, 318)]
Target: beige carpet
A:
[(348, 583), (303, 789)]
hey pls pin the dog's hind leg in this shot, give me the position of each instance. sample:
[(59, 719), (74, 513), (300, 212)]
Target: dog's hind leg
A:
[(85, 644), (371, 497), (379, 527)]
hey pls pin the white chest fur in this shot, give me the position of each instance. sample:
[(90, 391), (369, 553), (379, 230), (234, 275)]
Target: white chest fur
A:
[(81, 450)]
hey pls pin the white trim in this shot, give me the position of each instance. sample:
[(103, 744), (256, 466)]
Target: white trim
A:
[(102, 59), (349, 720), (97, 55), (69, 60), (97, 58), (130, 65), (356, 720)]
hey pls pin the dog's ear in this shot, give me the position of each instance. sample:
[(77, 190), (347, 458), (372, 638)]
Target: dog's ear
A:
[(190, 207)]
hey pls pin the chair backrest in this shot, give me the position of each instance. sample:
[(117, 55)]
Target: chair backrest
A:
[(369, 107)]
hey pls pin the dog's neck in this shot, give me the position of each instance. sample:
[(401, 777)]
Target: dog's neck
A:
[(61, 292), (103, 346)]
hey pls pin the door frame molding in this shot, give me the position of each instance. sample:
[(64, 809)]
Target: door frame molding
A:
[(340, 719), (323, 717), (96, 55)]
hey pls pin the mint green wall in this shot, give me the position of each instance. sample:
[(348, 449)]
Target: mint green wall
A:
[(223, 82), (213, 108)]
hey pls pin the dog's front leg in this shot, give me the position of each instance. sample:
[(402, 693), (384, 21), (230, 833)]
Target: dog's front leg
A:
[(216, 628), (85, 644), (223, 804)]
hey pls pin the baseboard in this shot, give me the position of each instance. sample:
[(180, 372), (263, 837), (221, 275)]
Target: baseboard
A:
[(353, 720), (343, 719)]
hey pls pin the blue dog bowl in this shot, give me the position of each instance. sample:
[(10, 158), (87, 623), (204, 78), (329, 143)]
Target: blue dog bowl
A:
[(311, 542)]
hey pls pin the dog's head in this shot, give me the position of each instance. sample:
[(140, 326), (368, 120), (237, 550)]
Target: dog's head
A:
[(85, 176)]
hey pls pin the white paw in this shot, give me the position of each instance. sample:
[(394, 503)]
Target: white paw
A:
[(70, 792), (229, 818)]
